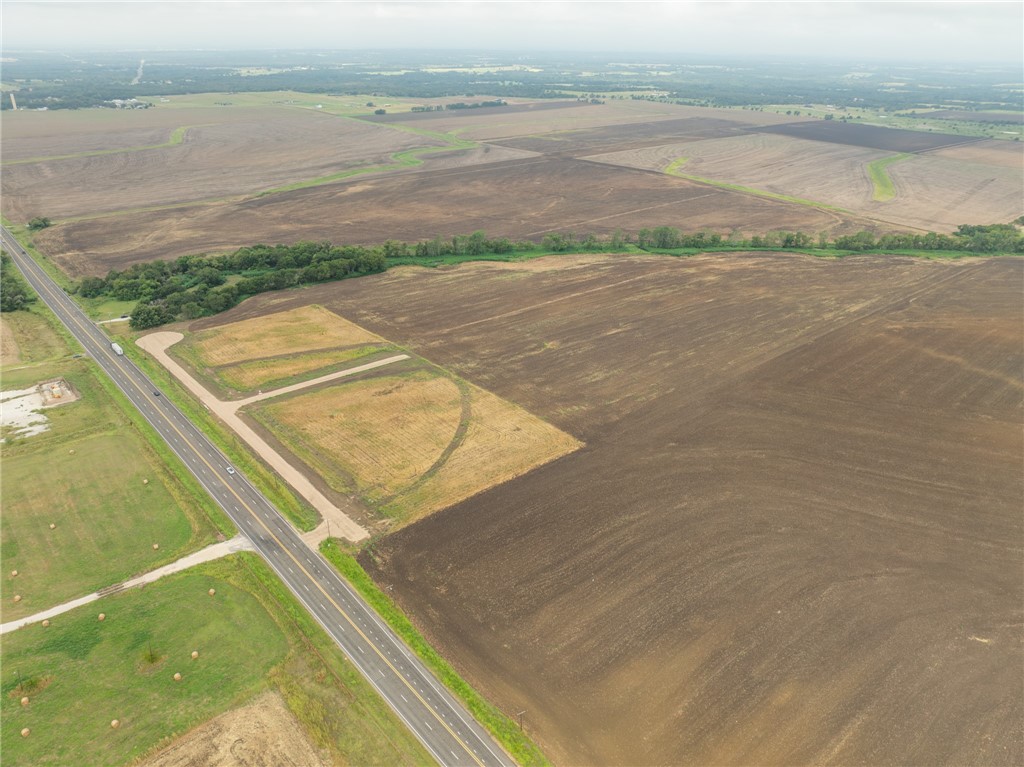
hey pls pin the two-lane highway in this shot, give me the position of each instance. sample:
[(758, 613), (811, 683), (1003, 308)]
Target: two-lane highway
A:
[(441, 723)]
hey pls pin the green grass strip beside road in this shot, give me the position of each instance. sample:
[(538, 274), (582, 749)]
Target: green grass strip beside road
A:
[(301, 514), (672, 169), (884, 189), (507, 732), (177, 137)]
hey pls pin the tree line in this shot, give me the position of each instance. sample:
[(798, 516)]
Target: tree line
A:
[(14, 293), (199, 285)]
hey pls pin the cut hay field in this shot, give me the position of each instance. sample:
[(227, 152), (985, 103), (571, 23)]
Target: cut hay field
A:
[(95, 478), (537, 196), (244, 357), (414, 443), (309, 328), (930, 191), (793, 534), (79, 674)]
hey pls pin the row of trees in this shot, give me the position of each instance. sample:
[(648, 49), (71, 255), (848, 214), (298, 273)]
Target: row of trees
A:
[(195, 286), (14, 293)]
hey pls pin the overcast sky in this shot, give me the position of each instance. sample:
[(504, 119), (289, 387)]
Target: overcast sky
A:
[(952, 31)]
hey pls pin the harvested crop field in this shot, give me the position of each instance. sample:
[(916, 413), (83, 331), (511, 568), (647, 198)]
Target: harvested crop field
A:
[(793, 535), (413, 443), (256, 150), (1001, 154), (308, 328), (536, 196), (889, 139), (932, 191), (814, 170)]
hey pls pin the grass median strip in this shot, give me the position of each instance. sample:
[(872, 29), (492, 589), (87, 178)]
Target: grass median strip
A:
[(506, 731)]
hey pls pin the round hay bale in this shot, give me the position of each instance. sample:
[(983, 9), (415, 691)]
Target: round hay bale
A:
[(211, 592), (17, 597), (156, 546), (177, 677), (53, 526), (71, 451), (145, 481), (25, 732), (114, 724), (195, 654), (14, 573), (24, 701), (103, 616), (46, 623)]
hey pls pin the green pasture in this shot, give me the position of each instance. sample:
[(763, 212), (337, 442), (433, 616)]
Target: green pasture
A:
[(80, 673), (94, 477), (37, 341)]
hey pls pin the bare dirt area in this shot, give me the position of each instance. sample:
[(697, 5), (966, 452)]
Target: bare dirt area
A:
[(938, 194), (793, 535), (29, 134), (889, 139), (256, 150), (933, 191), (502, 123), (536, 196), (813, 170), (1001, 154), (263, 733)]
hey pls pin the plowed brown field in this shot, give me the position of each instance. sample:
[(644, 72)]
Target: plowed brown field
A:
[(519, 199), (257, 150), (794, 534)]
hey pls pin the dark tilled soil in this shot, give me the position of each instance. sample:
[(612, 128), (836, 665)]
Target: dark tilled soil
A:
[(890, 139), (520, 199), (793, 537)]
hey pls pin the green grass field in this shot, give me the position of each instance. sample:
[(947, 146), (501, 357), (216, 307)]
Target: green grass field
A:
[(106, 519), (884, 189), (79, 673)]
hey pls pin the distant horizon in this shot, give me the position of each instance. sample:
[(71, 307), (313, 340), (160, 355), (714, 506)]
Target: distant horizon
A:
[(649, 57), (889, 32)]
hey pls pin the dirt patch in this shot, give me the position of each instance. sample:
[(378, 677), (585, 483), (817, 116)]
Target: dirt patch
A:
[(20, 414), (799, 498), (263, 733)]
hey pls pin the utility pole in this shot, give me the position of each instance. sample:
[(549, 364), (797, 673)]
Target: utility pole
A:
[(520, 715)]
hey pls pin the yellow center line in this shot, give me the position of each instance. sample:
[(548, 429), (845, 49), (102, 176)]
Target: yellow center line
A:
[(284, 548)]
